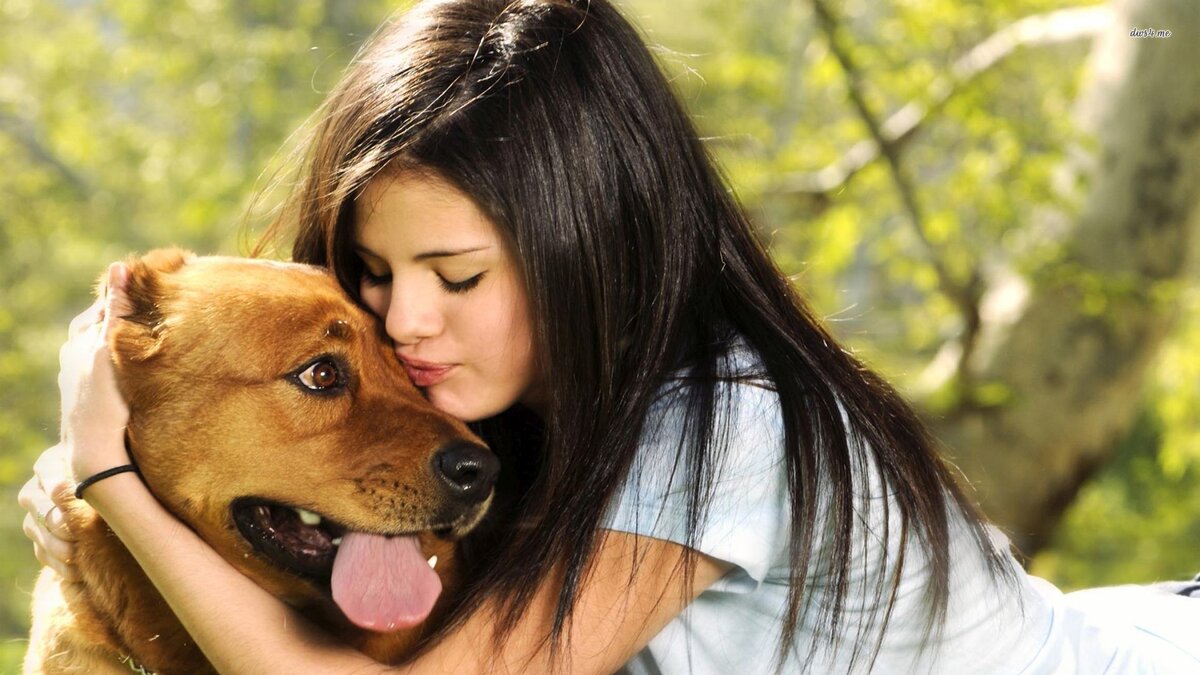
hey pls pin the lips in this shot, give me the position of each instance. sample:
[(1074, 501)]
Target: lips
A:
[(424, 373)]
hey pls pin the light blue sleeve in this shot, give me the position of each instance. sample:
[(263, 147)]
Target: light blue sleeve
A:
[(747, 519)]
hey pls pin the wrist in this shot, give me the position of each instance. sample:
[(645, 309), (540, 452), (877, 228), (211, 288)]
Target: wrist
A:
[(92, 456), (107, 473), (115, 489)]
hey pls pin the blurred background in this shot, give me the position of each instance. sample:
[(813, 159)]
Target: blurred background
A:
[(993, 203)]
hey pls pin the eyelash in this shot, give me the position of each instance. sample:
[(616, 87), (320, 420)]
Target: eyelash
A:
[(448, 286), (461, 286), (375, 279)]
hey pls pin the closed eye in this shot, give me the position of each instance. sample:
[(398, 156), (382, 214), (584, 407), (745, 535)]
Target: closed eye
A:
[(375, 279), (461, 286)]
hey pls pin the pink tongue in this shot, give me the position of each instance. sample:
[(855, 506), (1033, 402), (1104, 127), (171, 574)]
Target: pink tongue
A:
[(383, 583)]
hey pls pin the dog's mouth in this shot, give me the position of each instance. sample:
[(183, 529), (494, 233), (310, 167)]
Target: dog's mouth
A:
[(380, 582), (294, 539)]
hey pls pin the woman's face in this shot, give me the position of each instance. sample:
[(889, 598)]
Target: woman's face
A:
[(449, 291)]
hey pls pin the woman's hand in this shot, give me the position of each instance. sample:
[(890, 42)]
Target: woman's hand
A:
[(44, 497), (93, 413), (93, 428)]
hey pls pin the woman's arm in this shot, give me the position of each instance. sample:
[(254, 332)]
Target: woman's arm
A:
[(244, 629), (612, 620), (240, 627)]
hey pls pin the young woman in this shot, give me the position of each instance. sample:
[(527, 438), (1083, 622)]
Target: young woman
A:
[(711, 484)]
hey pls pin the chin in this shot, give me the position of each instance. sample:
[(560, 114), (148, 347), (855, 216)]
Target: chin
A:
[(453, 404)]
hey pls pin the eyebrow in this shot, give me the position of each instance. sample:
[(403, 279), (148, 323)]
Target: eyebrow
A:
[(448, 254), (338, 330), (428, 254)]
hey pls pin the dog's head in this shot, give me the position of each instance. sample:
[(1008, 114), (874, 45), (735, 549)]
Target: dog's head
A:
[(270, 413)]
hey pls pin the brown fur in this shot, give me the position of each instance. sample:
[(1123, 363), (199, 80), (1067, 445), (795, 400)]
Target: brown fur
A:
[(203, 361)]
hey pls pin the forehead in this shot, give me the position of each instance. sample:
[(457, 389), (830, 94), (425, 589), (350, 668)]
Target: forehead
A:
[(265, 277), (273, 311), (419, 209), (244, 289)]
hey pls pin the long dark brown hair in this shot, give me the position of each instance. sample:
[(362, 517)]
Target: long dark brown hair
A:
[(553, 116)]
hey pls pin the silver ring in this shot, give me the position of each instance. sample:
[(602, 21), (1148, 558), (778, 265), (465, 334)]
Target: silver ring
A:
[(41, 517)]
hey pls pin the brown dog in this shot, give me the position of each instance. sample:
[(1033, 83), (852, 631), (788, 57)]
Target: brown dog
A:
[(269, 413)]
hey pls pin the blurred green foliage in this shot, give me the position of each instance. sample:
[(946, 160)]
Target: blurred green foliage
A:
[(1139, 519), (127, 125)]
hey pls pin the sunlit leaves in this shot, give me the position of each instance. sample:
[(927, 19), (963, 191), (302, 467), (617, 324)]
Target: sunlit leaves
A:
[(999, 193), (127, 125)]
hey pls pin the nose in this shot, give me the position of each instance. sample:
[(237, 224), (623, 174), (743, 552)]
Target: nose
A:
[(411, 318), (467, 470)]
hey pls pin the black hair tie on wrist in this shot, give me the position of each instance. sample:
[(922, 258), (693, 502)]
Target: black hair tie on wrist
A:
[(87, 482)]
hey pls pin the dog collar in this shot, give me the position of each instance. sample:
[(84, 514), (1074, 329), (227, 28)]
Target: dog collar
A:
[(135, 666)]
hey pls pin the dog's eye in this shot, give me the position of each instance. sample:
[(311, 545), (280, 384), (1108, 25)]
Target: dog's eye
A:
[(321, 376)]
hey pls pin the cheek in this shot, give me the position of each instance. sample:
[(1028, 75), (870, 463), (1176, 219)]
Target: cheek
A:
[(499, 331), (521, 333), (514, 330)]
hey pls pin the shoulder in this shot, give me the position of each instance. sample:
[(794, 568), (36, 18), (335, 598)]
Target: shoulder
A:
[(742, 390), (743, 417), (721, 493)]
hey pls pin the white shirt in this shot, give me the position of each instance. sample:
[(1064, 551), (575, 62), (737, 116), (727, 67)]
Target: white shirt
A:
[(734, 626)]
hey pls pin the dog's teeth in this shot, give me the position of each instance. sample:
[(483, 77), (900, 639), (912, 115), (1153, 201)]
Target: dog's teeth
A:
[(308, 517), (432, 562), (336, 541)]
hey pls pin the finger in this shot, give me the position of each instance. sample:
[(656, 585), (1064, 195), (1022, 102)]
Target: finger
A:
[(33, 498), (46, 547), (73, 355), (86, 319), (26, 494), (56, 517), (52, 486), (67, 572), (51, 464), (50, 527), (117, 302), (53, 474)]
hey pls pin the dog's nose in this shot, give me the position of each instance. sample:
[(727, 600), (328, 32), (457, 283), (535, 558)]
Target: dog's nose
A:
[(468, 470)]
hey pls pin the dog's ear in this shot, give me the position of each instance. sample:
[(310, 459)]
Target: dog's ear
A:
[(138, 335)]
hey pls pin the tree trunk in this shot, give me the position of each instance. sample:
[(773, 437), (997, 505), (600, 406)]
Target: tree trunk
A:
[(1074, 359)]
